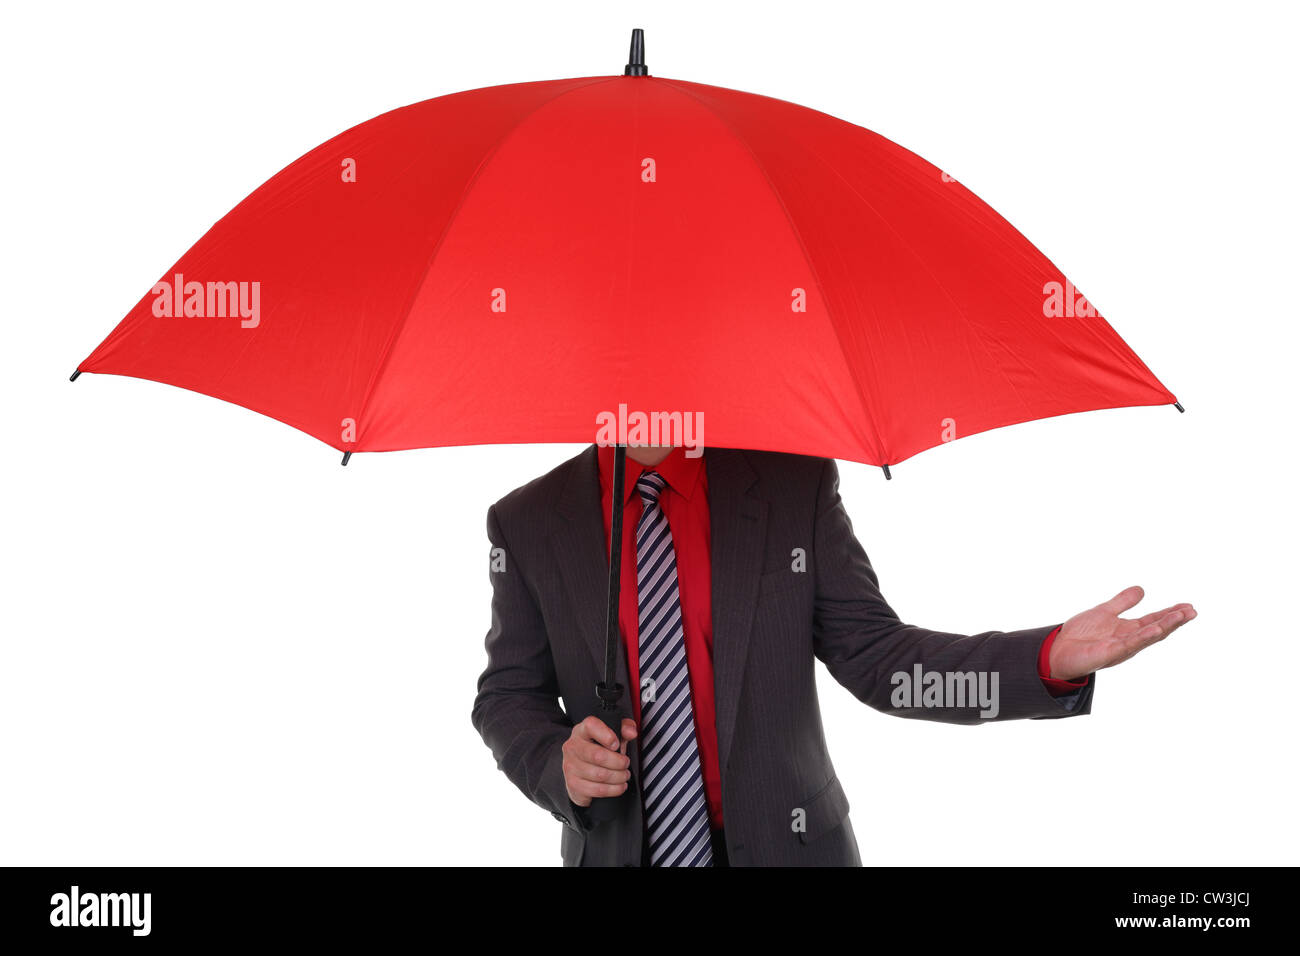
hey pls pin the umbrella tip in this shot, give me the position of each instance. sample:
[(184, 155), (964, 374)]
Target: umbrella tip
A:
[(888, 476), (73, 377), (636, 56), (346, 456), (1179, 406)]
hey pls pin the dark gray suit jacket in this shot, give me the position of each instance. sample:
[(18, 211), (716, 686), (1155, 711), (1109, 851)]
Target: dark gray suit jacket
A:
[(770, 623)]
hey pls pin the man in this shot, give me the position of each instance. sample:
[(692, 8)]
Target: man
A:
[(740, 568)]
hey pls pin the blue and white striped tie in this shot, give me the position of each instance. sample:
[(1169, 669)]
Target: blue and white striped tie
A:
[(677, 816)]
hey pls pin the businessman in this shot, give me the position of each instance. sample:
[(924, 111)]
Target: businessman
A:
[(740, 568)]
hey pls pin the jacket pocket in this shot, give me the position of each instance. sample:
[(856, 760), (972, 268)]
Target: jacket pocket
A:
[(825, 810)]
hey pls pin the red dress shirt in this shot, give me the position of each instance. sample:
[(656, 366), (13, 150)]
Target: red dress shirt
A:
[(685, 503)]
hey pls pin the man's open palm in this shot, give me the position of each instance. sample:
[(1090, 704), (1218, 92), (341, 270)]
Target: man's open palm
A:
[(1099, 637)]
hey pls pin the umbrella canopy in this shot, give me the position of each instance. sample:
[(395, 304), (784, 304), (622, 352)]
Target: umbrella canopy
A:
[(511, 264)]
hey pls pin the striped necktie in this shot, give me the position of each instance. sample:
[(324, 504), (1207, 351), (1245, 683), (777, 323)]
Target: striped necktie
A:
[(676, 814)]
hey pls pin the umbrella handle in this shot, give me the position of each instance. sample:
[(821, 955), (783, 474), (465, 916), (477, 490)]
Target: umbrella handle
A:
[(610, 808)]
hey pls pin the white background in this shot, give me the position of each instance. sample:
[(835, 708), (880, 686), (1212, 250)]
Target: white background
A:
[(220, 647)]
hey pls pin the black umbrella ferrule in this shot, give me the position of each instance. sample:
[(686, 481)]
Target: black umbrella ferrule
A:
[(74, 375), (636, 56)]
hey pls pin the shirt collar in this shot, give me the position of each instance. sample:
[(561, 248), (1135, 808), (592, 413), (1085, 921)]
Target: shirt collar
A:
[(680, 471)]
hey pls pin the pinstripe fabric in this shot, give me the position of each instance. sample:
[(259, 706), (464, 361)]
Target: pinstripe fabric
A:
[(676, 812)]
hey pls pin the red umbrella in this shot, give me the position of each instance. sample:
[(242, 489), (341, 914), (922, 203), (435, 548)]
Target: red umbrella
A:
[(563, 260), (506, 264)]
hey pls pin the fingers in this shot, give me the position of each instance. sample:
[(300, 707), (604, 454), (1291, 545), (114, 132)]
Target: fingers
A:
[(593, 728), (586, 782), (628, 730), (1163, 626), (1153, 632), (582, 792), (1154, 616), (593, 765), (577, 770), (596, 755), (1121, 602)]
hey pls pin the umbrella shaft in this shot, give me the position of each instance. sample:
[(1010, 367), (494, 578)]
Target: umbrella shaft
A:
[(615, 567)]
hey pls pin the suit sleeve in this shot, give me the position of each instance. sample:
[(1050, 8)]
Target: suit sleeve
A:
[(517, 710), (870, 651)]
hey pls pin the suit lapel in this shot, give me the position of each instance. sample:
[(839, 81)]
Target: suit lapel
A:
[(579, 550), (738, 526)]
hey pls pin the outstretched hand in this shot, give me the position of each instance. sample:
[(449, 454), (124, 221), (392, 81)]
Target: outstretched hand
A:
[(1099, 637)]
